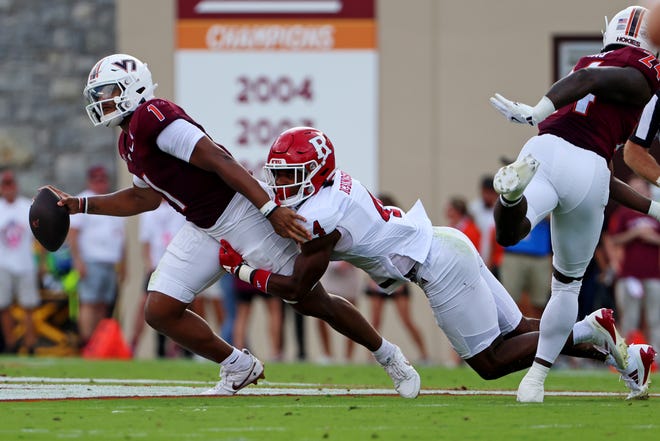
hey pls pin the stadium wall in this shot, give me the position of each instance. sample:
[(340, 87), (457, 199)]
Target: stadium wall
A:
[(440, 61)]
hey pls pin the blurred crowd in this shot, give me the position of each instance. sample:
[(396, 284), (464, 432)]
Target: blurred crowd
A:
[(52, 303)]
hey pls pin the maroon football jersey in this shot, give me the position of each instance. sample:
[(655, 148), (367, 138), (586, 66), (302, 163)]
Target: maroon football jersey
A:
[(595, 123), (199, 195)]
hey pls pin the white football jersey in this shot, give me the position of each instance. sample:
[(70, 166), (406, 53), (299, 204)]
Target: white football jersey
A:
[(383, 241)]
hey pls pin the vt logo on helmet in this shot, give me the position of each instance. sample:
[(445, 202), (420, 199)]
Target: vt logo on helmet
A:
[(116, 86), (299, 162)]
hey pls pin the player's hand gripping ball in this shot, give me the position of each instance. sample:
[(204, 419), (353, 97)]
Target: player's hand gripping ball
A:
[(49, 222)]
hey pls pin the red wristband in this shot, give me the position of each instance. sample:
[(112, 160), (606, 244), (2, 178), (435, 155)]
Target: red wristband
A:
[(260, 279)]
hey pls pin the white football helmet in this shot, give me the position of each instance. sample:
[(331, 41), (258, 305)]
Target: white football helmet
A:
[(120, 83), (629, 27)]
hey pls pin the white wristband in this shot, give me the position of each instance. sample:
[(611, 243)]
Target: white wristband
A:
[(245, 273), (654, 210), (268, 208), (657, 182), (543, 109)]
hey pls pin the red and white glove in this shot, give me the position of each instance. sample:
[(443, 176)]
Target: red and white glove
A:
[(233, 263)]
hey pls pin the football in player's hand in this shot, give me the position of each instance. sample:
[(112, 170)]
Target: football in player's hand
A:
[(49, 222)]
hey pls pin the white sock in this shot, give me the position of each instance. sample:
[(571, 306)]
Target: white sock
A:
[(509, 200), (385, 352), (237, 360), (558, 319), (537, 373)]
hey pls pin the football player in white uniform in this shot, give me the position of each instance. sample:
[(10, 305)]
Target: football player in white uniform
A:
[(482, 322)]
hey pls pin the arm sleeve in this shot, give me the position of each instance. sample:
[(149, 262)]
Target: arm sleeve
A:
[(179, 138)]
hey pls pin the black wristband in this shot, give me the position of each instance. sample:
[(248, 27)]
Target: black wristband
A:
[(270, 213)]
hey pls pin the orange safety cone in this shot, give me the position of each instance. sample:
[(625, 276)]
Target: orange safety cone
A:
[(107, 341)]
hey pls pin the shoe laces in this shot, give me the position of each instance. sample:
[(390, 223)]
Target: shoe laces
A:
[(631, 382), (398, 367)]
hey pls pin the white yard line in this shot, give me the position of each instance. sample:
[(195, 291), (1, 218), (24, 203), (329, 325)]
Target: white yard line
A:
[(43, 388)]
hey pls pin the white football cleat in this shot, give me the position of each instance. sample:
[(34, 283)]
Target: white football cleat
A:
[(233, 381), (641, 359), (405, 377), (511, 180), (606, 335)]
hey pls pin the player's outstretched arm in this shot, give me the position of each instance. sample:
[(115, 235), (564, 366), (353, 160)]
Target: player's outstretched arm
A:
[(625, 85), (208, 156), (641, 162), (309, 266), (126, 202), (628, 197)]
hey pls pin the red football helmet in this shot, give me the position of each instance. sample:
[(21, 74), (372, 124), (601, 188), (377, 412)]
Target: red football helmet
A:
[(308, 155)]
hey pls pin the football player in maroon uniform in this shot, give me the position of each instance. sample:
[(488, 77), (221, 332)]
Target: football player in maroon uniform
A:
[(564, 170), (170, 156)]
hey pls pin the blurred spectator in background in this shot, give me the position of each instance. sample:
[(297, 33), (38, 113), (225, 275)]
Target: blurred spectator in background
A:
[(18, 269), (527, 268), (459, 218), (637, 290), (98, 249), (345, 280), (228, 288), (298, 331), (481, 211), (245, 295), (155, 231)]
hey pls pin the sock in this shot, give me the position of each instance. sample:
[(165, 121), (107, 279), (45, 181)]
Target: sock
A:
[(385, 352), (237, 360), (537, 373), (558, 319), (512, 201)]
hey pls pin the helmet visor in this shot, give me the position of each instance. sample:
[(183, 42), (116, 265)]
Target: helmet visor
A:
[(102, 92)]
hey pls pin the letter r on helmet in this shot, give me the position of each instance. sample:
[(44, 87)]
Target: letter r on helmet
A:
[(322, 150)]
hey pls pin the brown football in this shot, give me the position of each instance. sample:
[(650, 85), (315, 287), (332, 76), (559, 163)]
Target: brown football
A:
[(49, 222)]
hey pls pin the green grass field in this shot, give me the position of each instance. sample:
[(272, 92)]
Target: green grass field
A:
[(438, 414)]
